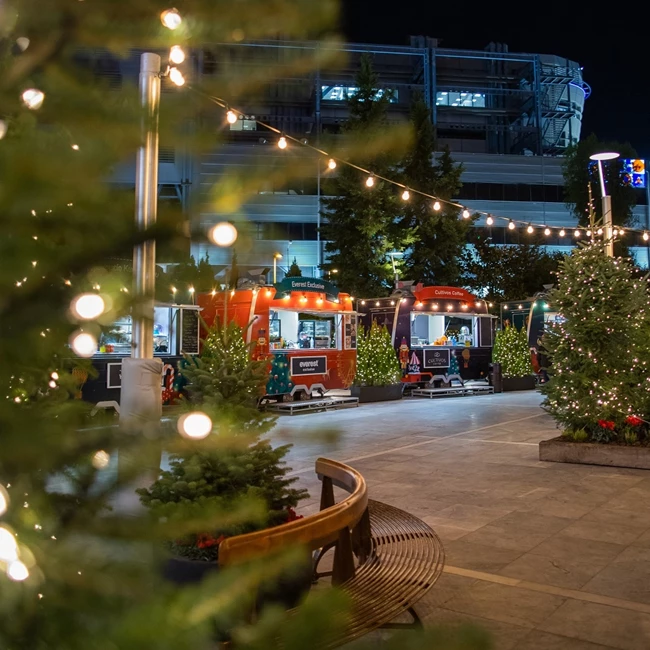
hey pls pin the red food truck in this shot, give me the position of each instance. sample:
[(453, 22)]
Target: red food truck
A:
[(304, 327)]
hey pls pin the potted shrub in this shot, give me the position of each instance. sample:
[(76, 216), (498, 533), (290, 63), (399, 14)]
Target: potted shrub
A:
[(511, 350), (233, 475), (379, 374)]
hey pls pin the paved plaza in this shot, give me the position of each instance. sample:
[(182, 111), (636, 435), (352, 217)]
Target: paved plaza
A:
[(545, 556)]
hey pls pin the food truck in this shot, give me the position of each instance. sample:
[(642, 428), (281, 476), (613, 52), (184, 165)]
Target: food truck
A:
[(432, 326), (176, 333), (304, 327)]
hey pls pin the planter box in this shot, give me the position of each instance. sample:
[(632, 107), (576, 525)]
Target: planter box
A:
[(558, 450), (377, 393), (519, 383)]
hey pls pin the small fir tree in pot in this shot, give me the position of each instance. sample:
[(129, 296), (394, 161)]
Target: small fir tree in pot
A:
[(511, 350)]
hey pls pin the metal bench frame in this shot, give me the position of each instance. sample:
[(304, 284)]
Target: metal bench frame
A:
[(385, 559)]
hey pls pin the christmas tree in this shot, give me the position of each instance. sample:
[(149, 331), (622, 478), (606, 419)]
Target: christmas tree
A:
[(598, 351), (454, 368), (294, 270), (279, 382), (377, 362), (511, 350)]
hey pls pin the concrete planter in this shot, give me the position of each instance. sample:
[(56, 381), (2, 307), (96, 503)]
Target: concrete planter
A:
[(377, 393), (558, 450), (518, 383)]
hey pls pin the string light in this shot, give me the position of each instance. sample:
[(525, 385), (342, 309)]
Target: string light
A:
[(8, 546), (4, 500), (589, 233), (195, 425), (621, 232), (576, 233), (331, 163), (33, 98), (22, 42), (176, 77), (466, 214), (406, 195), (599, 231), (223, 234), (101, 459), (547, 231), (75, 147), (17, 571), (530, 229), (489, 221), (3, 129), (83, 344), (88, 306), (370, 181), (646, 236), (231, 117), (282, 143), (436, 206), (511, 225), (176, 54), (615, 232), (171, 19), (562, 232)]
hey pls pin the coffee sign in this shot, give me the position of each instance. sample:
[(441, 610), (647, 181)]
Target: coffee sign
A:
[(436, 358), (301, 366)]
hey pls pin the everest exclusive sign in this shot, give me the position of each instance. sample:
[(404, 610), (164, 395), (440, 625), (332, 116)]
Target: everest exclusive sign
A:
[(312, 285), (308, 366)]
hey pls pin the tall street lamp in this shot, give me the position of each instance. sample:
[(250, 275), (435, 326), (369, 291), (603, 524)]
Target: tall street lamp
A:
[(276, 257), (606, 199)]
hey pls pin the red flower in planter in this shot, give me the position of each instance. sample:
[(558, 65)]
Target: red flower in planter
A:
[(208, 541), (606, 424), (633, 421), (292, 515)]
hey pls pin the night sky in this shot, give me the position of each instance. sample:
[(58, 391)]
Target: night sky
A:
[(611, 49)]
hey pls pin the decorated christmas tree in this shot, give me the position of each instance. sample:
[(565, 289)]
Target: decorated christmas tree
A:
[(279, 381), (454, 368), (294, 270), (511, 350), (377, 362), (598, 350)]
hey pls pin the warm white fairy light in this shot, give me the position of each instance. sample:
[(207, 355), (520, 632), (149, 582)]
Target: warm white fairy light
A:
[(4, 500), (23, 43), (3, 129), (511, 225), (646, 236), (621, 232), (589, 233), (33, 98), (176, 76), (8, 546), (177, 54), (75, 147), (83, 344), (88, 306), (231, 117), (55, 375), (436, 206), (17, 571), (576, 233), (562, 232), (282, 143), (195, 425), (223, 234), (52, 383), (489, 221), (466, 214), (331, 163), (101, 459), (406, 195), (599, 231), (170, 18), (370, 181), (547, 231), (530, 229)]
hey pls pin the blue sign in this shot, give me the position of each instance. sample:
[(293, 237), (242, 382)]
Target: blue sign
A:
[(304, 285)]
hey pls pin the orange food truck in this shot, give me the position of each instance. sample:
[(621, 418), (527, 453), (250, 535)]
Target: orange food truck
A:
[(304, 327)]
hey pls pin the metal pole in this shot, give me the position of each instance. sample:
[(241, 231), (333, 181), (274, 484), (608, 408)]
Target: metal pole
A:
[(275, 269), (140, 398)]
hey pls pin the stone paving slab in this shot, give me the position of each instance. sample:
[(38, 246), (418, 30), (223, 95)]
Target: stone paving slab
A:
[(544, 556)]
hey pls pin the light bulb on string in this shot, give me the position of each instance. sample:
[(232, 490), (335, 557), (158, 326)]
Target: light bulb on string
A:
[(8, 546), (621, 232), (562, 232), (176, 77), (466, 214), (170, 18), (530, 229), (615, 232), (4, 500), (88, 306), (33, 98), (101, 459), (576, 234), (195, 425), (223, 234), (282, 143), (489, 221), (589, 233), (176, 54), (17, 571), (436, 206), (231, 116), (599, 231), (83, 344), (547, 231), (511, 225), (406, 195), (646, 236), (370, 181), (331, 163)]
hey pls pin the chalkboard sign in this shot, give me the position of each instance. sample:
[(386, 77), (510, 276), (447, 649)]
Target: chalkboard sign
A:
[(190, 331), (436, 358), (308, 366)]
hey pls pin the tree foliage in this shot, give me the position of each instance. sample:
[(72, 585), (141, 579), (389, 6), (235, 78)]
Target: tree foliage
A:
[(511, 350), (502, 273), (598, 353), (580, 172), (294, 270), (437, 237), (377, 363)]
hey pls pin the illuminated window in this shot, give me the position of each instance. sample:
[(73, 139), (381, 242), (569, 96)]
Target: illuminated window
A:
[(341, 93), (460, 99)]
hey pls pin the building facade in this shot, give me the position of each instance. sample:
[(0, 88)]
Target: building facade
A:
[(507, 117)]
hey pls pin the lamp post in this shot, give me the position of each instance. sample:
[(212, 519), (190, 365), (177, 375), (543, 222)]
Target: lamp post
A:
[(329, 273), (276, 257), (607, 200)]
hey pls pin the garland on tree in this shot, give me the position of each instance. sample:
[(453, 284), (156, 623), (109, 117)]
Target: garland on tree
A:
[(511, 350), (598, 353), (377, 363)]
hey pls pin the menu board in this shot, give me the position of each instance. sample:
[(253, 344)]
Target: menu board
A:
[(189, 331), (350, 333)]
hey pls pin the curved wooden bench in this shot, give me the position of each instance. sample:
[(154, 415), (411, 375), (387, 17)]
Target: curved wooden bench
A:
[(385, 559)]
